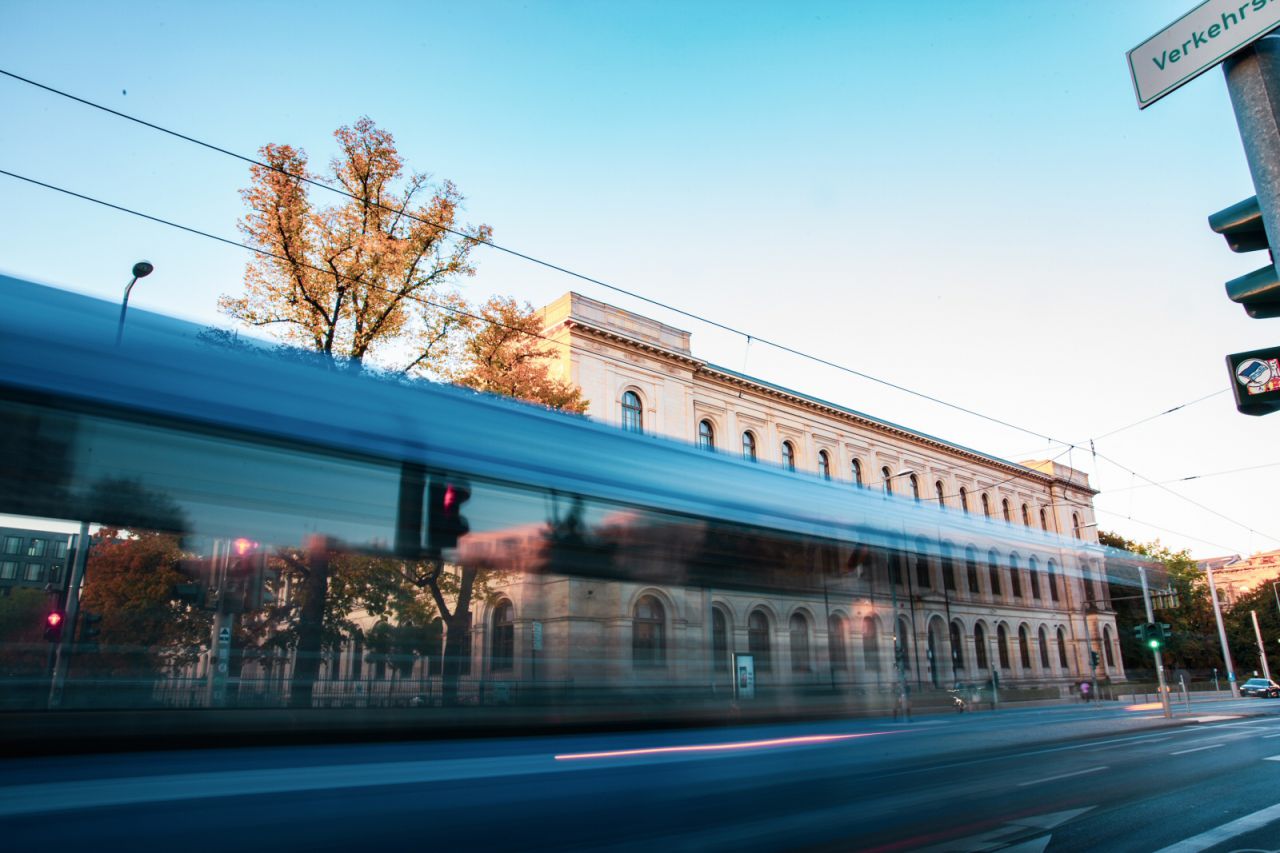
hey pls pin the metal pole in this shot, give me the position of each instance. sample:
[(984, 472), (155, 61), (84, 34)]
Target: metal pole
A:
[(1262, 650), (1222, 636), (63, 660), (1146, 600), (1277, 595), (124, 306), (1253, 81)]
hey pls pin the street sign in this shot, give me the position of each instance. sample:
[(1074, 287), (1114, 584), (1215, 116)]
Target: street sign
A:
[(1196, 42), (1255, 379)]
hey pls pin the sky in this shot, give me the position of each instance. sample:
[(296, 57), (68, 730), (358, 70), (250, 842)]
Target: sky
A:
[(959, 198)]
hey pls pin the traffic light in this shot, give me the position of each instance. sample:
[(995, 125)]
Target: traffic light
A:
[(1166, 631), (1093, 658), (1242, 226), (1140, 633), (445, 522), (90, 626), (1155, 636), (53, 622)]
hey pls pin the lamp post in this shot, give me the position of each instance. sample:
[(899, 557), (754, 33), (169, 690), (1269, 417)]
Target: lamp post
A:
[(141, 269)]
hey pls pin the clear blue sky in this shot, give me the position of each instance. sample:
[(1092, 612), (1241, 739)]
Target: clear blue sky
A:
[(959, 197)]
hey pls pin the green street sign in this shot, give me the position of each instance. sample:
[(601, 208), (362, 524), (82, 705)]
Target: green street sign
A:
[(1255, 380)]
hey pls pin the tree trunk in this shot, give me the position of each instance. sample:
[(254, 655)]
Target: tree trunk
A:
[(306, 664), (457, 630)]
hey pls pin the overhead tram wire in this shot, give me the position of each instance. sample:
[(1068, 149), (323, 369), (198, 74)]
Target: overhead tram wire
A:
[(1176, 408), (1164, 529), (1196, 477), (534, 260), (461, 313)]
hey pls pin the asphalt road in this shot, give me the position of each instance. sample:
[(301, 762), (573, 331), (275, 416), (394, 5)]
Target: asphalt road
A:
[(1062, 778)]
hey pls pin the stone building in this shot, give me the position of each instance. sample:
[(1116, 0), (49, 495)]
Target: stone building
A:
[(1038, 617)]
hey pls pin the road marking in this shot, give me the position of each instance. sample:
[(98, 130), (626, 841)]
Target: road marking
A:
[(1148, 740), (1198, 749), (1265, 737), (1226, 832), (1272, 758), (1061, 776)]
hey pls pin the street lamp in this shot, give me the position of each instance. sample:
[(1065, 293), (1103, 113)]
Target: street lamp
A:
[(141, 269)]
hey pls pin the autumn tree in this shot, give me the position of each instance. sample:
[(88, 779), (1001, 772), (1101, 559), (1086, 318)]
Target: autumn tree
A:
[(506, 354), (354, 280)]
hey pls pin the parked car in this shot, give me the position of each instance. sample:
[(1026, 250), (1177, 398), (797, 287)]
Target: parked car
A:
[(1263, 688)]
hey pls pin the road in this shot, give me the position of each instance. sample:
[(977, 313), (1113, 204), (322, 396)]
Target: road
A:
[(1060, 778)]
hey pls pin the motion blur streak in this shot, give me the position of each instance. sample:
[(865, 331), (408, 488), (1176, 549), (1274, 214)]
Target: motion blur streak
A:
[(1145, 706), (718, 747)]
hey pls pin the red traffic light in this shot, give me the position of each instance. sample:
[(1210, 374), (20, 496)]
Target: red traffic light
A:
[(53, 625), (243, 546), (54, 619)]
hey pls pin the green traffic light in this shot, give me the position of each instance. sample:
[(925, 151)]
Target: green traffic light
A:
[(1155, 644)]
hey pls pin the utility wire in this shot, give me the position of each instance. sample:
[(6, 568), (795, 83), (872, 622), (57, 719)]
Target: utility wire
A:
[(1164, 529), (531, 259), (1176, 408), (1197, 477)]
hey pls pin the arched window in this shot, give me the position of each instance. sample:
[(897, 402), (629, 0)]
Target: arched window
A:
[(1062, 648), (1053, 581), (1002, 645), (915, 487), (933, 657), (986, 505), (903, 640), (923, 574), (941, 493), (502, 638), (895, 567), (1004, 508), (706, 436), (957, 648), (648, 633), (993, 570), (1044, 520), (749, 446), (1044, 649), (1026, 516), (758, 640), (964, 499), (971, 569), (1015, 576), (980, 647), (799, 643), (824, 464), (719, 640), (1106, 647), (1024, 647), (871, 643), (857, 473), (788, 456), (1075, 524), (1033, 570), (885, 480), (632, 412), (948, 568), (837, 629)]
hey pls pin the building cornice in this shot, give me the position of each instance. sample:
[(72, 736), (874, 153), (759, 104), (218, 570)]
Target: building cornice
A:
[(575, 324)]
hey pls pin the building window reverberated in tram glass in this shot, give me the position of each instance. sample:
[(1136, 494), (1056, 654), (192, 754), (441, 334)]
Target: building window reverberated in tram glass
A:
[(837, 628), (647, 638), (957, 648), (1044, 649), (12, 544), (758, 640), (1024, 647), (871, 643), (35, 548), (1106, 647), (971, 568), (993, 564), (503, 637), (8, 570), (980, 647), (788, 456), (749, 446), (1002, 645), (1015, 576), (1053, 580), (1062, 648), (904, 643), (824, 464), (632, 412), (706, 436), (1033, 571), (799, 643), (720, 640)]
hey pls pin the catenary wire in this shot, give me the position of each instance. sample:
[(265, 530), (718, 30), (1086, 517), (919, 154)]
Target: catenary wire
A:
[(535, 260), (1197, 477), (1176, 408)]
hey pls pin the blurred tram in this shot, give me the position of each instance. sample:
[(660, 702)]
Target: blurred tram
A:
[(271, 529)]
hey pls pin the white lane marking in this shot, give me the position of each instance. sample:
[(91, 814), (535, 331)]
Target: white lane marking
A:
[(1197, 749), (1272, 758), (1226, 832), (1266, 737), (1061, 776), (1148, 740)]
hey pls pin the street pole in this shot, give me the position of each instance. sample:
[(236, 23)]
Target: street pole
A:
[(1262, 649), (140, 270), (63, 659), (1146, 600), (1222, 636), (1277, 594)]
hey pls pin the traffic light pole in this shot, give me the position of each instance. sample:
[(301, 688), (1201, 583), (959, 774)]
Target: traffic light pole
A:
[(1253, 81), (1155, 651), (63, 660), (1262, 649)]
